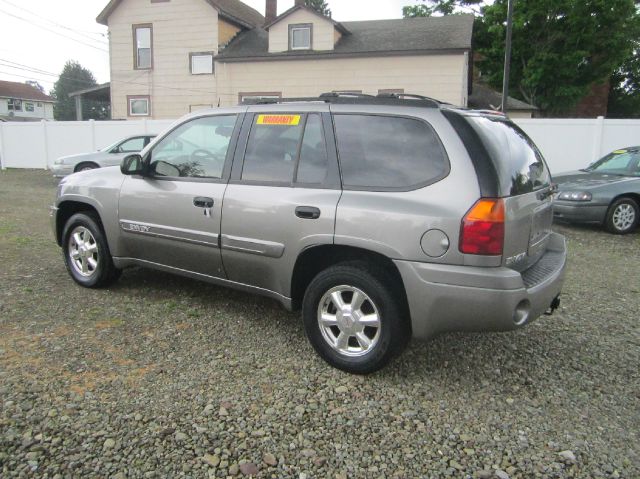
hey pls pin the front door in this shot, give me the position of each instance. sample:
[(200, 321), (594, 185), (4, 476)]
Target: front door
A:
[(171, 216), (282, 196)]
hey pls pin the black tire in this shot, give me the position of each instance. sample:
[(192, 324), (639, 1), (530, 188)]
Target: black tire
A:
[(385, 297), (615, 223), (104, 272), (85, 167)]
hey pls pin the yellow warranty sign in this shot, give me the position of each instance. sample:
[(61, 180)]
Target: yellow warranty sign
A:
[(619, 152), (283, 120)]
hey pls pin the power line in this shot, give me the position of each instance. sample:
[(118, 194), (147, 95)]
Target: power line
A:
[(27, 67), (77, 32), (128, 82), (52, 31)]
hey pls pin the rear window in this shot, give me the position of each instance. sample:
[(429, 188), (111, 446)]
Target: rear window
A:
[(520, 165), (387, 152)]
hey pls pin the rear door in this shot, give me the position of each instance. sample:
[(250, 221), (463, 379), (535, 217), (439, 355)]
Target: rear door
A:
[(171, 217), (282, 195), (524, 183)]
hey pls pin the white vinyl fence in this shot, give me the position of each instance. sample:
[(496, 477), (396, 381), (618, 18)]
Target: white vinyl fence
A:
[(567, 144), (570, 144), (39, 144)]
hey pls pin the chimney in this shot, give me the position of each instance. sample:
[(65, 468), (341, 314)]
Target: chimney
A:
[(271, 12), (299, 3)]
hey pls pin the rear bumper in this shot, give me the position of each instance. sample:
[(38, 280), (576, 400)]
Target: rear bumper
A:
[(462, 298), (579, 212)]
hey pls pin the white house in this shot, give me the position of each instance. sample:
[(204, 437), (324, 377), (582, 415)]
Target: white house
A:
[(23, 102)]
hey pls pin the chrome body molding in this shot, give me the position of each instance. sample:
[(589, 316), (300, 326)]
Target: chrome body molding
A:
[(170, 233), (270, 249)]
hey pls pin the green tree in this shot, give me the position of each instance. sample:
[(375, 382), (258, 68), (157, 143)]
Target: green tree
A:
[(624, 96), (320, 6), (560, 47), (73, 78), (440, 7)]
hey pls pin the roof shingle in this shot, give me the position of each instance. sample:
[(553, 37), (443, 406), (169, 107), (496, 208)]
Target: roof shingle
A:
[(452, 32), (22, 91), (234, 10), (485, 98)]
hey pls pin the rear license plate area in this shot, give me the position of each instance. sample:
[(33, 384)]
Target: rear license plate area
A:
[(540, 228)]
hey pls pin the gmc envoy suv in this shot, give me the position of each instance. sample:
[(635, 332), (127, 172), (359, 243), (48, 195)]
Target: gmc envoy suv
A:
[(381, 218)]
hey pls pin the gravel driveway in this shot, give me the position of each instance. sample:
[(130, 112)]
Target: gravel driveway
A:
[(161, 376)]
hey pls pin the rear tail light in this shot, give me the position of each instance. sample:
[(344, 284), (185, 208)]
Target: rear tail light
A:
[(482, 229)]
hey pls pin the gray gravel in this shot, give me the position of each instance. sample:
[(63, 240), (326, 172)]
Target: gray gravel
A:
[(161, 376)]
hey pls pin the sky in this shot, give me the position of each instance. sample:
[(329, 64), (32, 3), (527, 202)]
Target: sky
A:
[(37, 37)]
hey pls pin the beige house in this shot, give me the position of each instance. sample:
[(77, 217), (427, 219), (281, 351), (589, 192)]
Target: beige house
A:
[(170, 57)]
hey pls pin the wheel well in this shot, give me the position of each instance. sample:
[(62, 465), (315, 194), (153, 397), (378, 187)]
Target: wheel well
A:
[(313, 260), (66, 210), (85, 163), (633, 196)]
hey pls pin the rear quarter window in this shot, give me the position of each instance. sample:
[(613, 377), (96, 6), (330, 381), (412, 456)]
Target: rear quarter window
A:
[(519, 163), (388, 152)]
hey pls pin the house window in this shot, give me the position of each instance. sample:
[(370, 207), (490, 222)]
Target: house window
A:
[(142, 47), (28, 106), (139, 105), (201, 63), (13, 104), (300, 36), (242, 96), (39, 105)]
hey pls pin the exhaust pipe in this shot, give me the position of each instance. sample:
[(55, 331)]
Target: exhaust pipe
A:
[(553, 306)]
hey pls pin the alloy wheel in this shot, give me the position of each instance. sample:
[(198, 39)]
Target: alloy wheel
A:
[(349, 320), (623, 216), (83, 251)]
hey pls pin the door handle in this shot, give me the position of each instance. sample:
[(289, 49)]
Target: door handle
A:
[(308, 212), (203, 202)]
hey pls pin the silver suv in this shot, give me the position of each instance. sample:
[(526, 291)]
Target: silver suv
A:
[(381, 218)]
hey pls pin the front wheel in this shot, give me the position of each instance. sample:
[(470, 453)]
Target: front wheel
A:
[(354, 318), (623, 216), (86, 253)]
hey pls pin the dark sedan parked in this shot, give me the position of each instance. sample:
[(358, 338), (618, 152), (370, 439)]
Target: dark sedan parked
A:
[(606, 192)]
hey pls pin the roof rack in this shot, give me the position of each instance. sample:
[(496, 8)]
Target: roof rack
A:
[(404, 99)]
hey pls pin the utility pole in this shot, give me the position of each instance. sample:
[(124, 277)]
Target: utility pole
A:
[(507, 58)]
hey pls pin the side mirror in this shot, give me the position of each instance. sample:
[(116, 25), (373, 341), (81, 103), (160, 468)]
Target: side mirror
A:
[(131, 165)]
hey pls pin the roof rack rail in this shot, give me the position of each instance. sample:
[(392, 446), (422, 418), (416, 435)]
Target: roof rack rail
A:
[(353, 99)]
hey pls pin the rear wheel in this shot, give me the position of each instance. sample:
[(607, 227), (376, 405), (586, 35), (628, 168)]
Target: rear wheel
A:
[(86, 253), (85, 167), (354, 318), (623, 216)]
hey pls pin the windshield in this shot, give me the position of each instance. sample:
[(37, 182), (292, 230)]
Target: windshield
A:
[(106, 149), (520, 165), (619, 162)]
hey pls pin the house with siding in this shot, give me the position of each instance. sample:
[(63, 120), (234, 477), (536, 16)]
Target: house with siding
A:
[(24, 102), (171, 57)]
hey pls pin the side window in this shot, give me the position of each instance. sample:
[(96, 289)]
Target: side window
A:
[(196, 149), (131, 146), (313, 165), (388, 152), (279, 152)]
